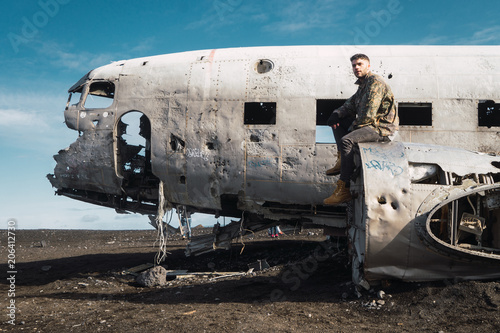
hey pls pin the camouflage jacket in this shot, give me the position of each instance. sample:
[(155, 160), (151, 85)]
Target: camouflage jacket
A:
[(372, 105)]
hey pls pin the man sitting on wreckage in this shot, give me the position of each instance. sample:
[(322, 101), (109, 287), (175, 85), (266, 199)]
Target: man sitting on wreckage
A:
[(368, 116)]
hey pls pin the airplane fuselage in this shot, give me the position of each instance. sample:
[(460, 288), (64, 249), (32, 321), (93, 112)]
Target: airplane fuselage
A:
[(235, 131)]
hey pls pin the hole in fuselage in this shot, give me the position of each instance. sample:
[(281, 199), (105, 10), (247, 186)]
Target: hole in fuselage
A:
[(133, 141), (133, 156)]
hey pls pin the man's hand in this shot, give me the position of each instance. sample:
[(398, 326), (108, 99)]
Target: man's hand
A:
[(334, 119)]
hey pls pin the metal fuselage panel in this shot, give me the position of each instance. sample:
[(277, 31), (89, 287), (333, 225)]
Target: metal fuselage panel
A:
[(203, 151), (389, 209)]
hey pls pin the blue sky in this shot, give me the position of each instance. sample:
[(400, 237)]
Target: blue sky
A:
[(48, 45)]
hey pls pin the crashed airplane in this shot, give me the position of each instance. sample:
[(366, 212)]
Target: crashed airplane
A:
[(233, 132)]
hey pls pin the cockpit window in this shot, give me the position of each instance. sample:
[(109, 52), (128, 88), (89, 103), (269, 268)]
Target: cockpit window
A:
[(73, 99), (100, 95)]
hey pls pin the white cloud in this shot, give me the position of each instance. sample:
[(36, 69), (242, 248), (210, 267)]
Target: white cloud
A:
[(486, 36), (432, 40), (262, 17), (30, 110), (10, 118), (276, 16), (25, 129), (57, 55), (490, 35), (288, 27), (307, 15), (33, 122), (89, 218), (121, 216), (45, 54), (145, 45)]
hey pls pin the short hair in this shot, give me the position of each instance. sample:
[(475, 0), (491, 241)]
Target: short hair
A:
[(360, 56)]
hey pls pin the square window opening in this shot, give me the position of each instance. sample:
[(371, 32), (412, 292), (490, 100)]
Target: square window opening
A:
[(324, 108), (488, 114), (415, 114), (260, 113)]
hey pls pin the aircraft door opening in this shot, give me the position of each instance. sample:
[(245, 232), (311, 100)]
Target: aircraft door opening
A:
[(324, 108), (133, 156)]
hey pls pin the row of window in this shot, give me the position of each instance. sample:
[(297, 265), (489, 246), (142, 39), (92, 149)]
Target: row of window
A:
[(410, 114), (101, 94)]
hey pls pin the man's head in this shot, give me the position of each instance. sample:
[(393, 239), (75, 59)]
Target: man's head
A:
[(360, 65)]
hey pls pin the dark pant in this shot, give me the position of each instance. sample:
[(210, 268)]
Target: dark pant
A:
[(346, 141)]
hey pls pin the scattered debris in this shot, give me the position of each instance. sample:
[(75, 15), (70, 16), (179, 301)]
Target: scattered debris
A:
[(373, 305), (46, 268), (183, 274), (259, 265), (156, 276), (135, 270), (242, 301), (228, 275), (178, 272)]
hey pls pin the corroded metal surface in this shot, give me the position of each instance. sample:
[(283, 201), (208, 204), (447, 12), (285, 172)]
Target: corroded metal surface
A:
[(233, 132), (393, 213)]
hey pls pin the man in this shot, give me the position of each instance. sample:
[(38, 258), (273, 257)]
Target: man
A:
[(184, 222), (368, 116)]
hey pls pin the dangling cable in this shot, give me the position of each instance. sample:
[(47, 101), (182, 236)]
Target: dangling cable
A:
[(241, 231), (161, 236)]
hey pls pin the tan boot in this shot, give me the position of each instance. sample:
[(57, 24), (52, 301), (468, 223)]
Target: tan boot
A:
[(342, 194), (336, 168)]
